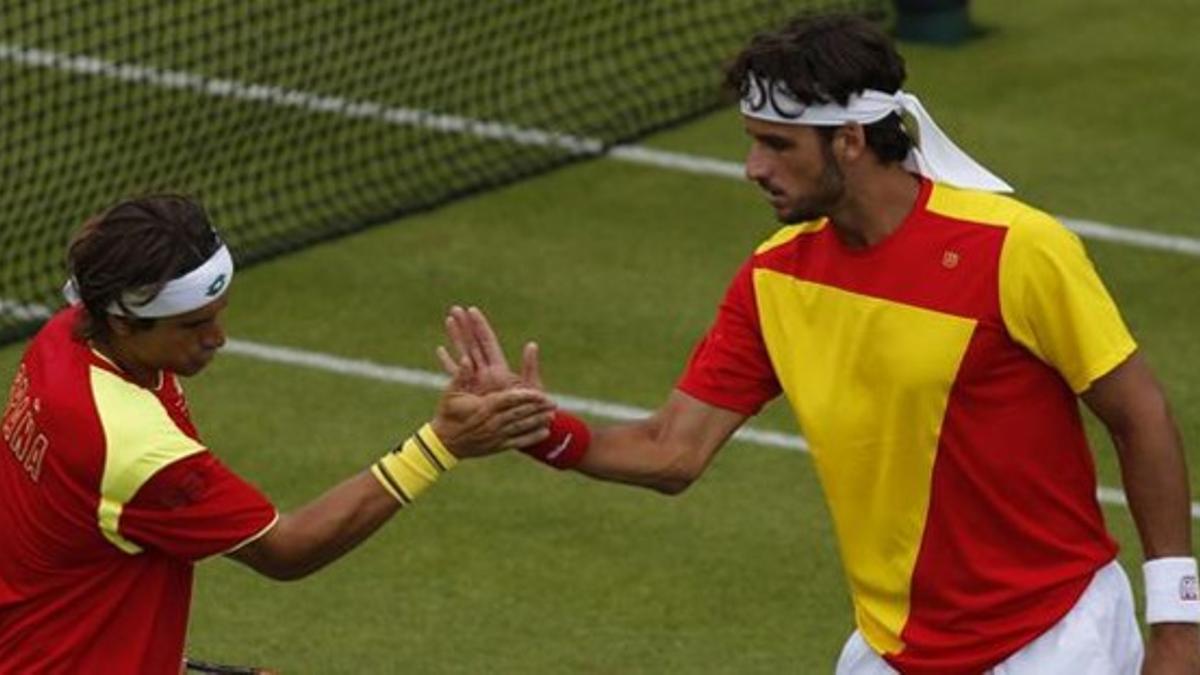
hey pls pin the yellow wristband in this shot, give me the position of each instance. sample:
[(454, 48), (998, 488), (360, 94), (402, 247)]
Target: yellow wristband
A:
[(411, 468)]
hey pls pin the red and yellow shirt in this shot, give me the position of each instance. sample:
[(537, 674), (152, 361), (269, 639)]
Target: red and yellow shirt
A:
[(935, 377), (107, 497)]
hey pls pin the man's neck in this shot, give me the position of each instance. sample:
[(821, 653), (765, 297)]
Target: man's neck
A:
[(142, 375), (875, 206)]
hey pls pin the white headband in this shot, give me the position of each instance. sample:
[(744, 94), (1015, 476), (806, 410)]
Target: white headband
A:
[(191, 291), (933, 154)]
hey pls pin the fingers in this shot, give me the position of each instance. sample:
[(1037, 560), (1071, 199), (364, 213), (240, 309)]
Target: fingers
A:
[(472, 336), (474, 425), (524, 425), (529, 438), (485, 338), (511, 398), (454, 331), (531, 375), (461, 332), (448, 363), (464, 375), (523, 418)]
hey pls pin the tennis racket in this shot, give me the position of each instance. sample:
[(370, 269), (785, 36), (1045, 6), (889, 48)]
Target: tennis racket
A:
[(196, 666)]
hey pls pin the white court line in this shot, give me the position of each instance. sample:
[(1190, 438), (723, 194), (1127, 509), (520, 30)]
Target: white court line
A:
[(603, 409), (429, 380), (1085, 228), (294, 98), (280, 96), (424, 379), (23, 311), (489, 129)]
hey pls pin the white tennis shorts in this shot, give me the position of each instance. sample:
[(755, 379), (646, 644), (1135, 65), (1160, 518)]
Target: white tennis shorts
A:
[(1099, 636)]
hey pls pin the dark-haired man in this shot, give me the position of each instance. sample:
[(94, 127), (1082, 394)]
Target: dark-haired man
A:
[(933, 338), (108, 494)]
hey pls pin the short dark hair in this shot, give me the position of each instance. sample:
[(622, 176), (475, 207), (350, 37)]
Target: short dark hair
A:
[(136, 245), (825, 59)]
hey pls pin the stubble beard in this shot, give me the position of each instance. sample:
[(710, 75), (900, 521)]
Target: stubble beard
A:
[(831, 187)]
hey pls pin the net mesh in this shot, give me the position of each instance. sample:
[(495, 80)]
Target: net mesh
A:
[(296, 121)]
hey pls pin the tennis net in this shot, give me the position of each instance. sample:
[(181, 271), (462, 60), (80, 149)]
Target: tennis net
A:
[(297, 121)]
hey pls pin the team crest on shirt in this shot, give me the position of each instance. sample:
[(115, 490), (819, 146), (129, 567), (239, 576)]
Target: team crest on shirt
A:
[(1188, 590), (950, 259)]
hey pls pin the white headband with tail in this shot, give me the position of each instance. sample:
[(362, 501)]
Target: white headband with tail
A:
[(933, 154)]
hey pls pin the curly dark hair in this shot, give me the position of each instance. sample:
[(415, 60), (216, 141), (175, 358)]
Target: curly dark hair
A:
[(825, 59), (136, 246)]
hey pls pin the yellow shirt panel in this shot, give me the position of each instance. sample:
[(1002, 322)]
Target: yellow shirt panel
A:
[(789, 232), (140, 439), (1054, 303), (869, 381), (987, 208)]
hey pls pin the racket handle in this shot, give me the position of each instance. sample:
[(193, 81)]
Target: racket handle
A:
[(197, 666)]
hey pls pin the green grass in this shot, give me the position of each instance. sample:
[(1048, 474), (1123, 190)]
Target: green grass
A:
[(280, 175), (509, 567), (616, 270)]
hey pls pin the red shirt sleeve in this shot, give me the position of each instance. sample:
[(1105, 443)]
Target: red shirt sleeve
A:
[(195, 508), (730, 367)]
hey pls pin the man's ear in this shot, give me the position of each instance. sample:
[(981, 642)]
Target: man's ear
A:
[(118, 325), (849, 142)]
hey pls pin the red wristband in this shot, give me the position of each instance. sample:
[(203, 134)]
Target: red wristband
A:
[(567, 443)]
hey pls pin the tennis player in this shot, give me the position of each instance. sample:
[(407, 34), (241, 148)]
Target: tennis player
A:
[(934, 337), (108, 496)]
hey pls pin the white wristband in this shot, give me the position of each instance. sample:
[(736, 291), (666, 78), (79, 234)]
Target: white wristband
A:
[(1172, 595)]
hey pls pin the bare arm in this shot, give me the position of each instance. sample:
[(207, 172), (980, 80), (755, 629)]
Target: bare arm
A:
[(666, 451), (1131, 404), (325, 529)]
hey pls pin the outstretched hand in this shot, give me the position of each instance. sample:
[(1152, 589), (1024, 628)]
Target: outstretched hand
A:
[(478, 350), (471, 422)]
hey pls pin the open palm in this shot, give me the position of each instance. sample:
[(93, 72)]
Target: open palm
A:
[(480, 365)]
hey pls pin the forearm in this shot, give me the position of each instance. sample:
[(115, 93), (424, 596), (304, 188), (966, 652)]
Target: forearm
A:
[(316, 534), (635, 454), (322, 531), (1154, 473), (329, 527), (1132, 405), (665, 452), (465, 425), (1155, 477)]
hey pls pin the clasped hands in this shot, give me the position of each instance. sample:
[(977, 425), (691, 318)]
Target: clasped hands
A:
[(486, 407)]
